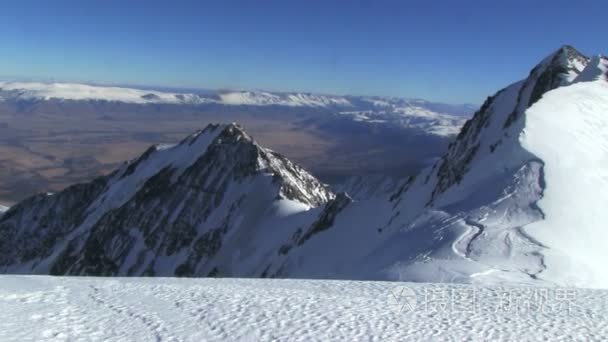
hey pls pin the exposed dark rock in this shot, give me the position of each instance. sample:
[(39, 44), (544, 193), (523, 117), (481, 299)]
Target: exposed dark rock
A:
[(326, 219)]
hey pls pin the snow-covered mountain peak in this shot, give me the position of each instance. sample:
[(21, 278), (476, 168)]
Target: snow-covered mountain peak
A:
[(570, 57), (171, 202), (230, 149), (512, 176), (558, 69), (564, 64), (233, 143), (490, 137), (224, 131)]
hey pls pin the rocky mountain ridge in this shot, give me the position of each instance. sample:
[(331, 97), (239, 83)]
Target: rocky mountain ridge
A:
[(493, 209)]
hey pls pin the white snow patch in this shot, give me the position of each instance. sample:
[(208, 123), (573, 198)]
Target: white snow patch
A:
[(286, 207)]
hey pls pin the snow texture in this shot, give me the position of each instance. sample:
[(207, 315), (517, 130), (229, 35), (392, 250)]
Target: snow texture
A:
[(162, 309)]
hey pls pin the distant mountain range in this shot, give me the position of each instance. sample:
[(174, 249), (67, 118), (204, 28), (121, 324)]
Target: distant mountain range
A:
[(436, 118), (518, 197), (56, 134)]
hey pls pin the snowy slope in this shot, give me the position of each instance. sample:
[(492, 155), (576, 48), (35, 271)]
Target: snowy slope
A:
[(517, 170), (367, 186), (506, 203), (161, 309), (576, 177)]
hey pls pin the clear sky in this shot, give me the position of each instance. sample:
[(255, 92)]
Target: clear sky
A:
[(451, 51)]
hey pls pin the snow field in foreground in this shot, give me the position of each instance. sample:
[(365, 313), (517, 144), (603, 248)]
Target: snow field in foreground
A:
[(42, 308)]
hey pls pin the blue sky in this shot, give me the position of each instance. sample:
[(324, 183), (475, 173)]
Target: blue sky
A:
[(451, 51)]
